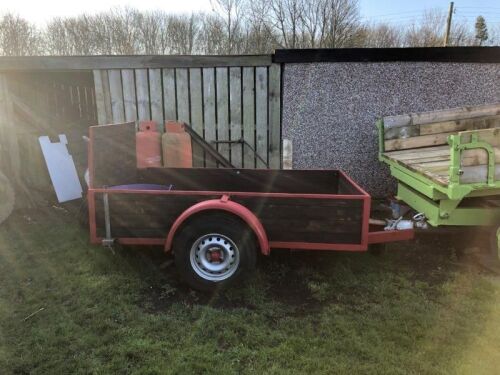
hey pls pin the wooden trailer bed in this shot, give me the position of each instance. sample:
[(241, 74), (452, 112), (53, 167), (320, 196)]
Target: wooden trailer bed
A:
[(434, 163), (442, 159)]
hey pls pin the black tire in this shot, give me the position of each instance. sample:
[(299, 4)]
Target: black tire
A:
[(208, 235)]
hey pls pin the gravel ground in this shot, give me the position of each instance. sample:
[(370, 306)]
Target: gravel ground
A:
[(330, 109)]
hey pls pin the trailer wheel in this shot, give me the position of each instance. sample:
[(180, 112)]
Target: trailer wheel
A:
[(214, 250)]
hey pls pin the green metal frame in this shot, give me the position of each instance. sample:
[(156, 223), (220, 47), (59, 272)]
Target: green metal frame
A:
[(440, 203)]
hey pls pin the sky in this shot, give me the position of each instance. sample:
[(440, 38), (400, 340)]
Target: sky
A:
[(392, 11)]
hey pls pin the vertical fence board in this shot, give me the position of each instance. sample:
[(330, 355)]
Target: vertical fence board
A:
[(235, 115), (222, 110), (116, 92), (169, 99), (101, 83), (182, 81), (261, 114), (106, 93), (248, 117), (101, 113), (155, 96), (274, 116), (196, 100), (142, 89), (129, 95), (209, 101)]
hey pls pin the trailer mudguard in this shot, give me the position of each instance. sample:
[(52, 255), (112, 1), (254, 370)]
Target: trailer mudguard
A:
[(222, 204)]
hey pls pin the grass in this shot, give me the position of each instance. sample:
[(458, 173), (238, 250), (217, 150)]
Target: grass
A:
[(415, 310)]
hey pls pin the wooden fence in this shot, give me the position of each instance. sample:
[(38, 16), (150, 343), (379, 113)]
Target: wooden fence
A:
[(227, 99)]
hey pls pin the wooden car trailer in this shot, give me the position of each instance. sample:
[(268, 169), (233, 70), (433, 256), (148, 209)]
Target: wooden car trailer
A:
[(214, 218)]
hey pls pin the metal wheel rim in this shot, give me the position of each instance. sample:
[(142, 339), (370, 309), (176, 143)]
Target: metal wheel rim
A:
[(209, 266)]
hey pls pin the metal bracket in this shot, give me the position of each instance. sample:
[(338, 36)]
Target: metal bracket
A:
[(245, 143), (108, 241)]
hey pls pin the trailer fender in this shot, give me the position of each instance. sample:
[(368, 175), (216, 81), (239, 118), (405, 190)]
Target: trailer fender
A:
[(222, 204)]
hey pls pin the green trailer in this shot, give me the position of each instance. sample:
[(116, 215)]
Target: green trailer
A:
[(447, 164)]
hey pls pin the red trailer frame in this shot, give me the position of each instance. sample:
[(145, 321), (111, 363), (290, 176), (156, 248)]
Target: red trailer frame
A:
[(223, 202)]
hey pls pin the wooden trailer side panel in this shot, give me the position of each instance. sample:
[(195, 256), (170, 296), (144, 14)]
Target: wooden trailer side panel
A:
[(336, 221)]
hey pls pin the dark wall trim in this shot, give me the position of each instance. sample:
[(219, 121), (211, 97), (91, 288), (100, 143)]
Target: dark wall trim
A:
[(36, 63), (430, 54)]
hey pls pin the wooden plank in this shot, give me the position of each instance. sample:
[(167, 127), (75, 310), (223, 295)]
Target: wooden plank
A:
[(58, 63), (249, 116), (114, 155), (414, 142), (434, 166), (477, 157), (116, 92), (441, 153), (490, 136), (460, 125), (209, 100), (129, 100), (274, 116), (420, 152), (169, 98), (107, 96), (235, 116), (478, 173), (440, 179), (196, 107), (102, 115), (222, 110), (181, 77), (261, 117), (156, 97), (142, 92), (287, 154), (196, 95), (442, 115)]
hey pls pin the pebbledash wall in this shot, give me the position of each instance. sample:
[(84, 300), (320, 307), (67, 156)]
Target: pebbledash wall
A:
[(332, 98)]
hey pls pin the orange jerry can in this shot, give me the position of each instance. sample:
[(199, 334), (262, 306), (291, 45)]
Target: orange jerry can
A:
[(176, 145), (148, 145)]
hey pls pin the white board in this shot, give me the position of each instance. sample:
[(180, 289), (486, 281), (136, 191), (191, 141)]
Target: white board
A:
[(61, 168)]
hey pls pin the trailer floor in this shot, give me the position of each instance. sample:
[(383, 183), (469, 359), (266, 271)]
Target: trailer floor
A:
[(68, 307)]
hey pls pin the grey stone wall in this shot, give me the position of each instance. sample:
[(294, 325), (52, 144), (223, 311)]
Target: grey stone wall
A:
[(330, 109)]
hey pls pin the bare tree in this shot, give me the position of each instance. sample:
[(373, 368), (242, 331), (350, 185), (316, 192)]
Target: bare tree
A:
[(234, 27), (212, 35), (382, 35), (18, 37), (342, 18), (286, 17), (182, 32), (428, 32), (230, 15), (118, 32)]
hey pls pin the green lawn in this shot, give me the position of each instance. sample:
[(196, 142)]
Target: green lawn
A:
[(416, 309)]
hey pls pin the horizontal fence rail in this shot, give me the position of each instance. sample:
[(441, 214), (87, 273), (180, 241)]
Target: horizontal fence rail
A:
[(61, 63)]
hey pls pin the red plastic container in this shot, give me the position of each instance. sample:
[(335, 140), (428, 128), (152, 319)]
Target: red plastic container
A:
[(148, 145)]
